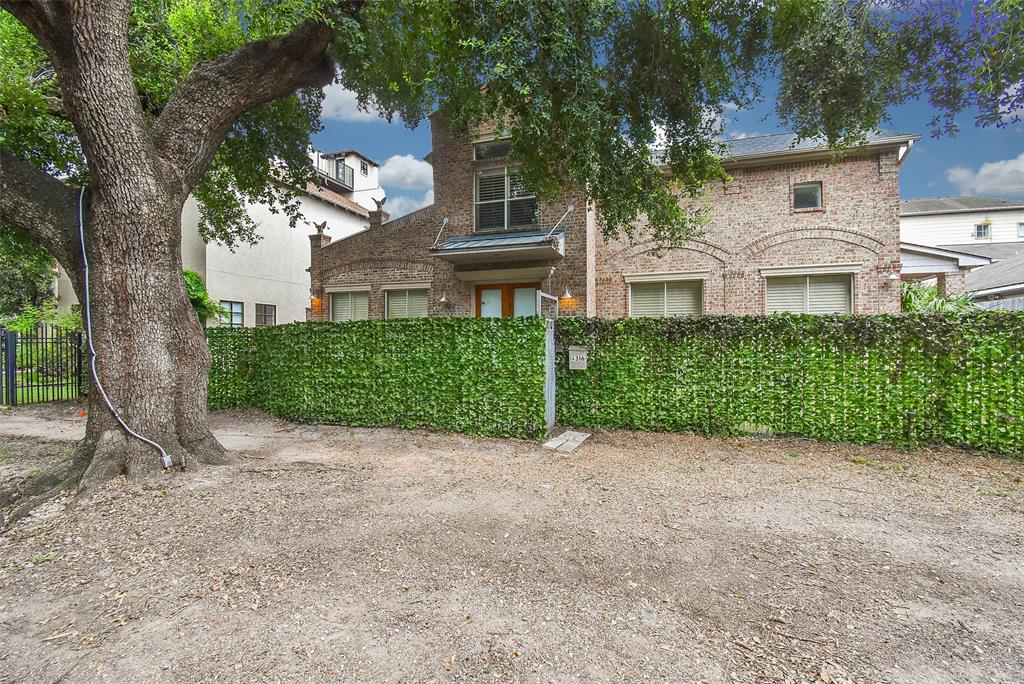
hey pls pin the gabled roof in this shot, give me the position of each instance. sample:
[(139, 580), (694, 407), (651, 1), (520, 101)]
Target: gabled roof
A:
[(956, 205), (338, 200), (1002, 274), (738, 150), (761, 145), (962, 259)]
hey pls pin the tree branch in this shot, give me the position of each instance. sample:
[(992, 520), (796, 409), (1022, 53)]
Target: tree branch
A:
[(46, 20), (40, 206), (202, 110)]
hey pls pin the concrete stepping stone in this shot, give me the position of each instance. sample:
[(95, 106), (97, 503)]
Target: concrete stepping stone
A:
[(567, 442)]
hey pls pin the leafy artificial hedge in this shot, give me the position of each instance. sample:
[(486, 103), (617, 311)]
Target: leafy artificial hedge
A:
[(897, 379), (230, 384), (477, 376)]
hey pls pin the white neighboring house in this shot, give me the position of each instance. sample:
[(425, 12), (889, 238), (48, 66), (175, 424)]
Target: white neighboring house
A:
[(960, 223), (988, 228), (268, 283)]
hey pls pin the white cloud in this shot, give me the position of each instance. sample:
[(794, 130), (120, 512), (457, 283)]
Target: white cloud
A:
[(340, 105), (997, 178), (400, 205), (407, 172)]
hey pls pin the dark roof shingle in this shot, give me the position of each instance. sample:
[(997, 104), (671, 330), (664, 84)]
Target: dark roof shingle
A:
[(756, 146), (954, 205), (739, 149), (997, 251), (1000, 274)]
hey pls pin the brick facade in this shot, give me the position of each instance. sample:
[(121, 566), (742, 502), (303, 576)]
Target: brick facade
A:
[(753, 227)]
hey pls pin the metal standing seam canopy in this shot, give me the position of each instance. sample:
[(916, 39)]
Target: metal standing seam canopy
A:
[(505, 247)]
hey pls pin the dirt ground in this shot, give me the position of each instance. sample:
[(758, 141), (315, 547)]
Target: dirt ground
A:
[(336, 554)]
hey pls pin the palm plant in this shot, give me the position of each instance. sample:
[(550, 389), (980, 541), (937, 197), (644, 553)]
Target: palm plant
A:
[(918, 297)]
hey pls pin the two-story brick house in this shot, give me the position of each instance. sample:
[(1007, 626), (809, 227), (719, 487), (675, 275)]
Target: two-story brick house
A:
[(794, 230)]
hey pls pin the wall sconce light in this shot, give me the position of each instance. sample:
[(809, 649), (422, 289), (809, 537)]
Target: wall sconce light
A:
[(894, 275), (566, 294), (444, 297)]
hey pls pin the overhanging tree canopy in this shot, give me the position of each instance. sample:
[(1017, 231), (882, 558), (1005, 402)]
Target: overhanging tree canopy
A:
[(143, 103)]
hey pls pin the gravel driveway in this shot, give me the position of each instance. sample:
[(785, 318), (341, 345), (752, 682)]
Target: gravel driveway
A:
[(335, 554)]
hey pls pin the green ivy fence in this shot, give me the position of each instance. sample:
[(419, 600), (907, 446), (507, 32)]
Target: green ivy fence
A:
[(894, 379), (476, 376)]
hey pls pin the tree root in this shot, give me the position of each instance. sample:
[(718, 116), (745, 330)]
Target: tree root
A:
[(18, 499), (98, 460)]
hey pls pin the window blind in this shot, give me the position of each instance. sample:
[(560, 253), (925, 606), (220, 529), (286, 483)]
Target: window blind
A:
[(820, 294), (407, 304), (668, 298), (350, 306)]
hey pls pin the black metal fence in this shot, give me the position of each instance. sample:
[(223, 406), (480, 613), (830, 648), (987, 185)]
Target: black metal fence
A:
[(43, 365)]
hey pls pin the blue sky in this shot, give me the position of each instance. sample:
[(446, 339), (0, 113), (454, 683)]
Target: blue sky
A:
[(978, 161)]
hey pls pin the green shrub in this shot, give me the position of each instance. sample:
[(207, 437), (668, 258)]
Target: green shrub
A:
[(893, 379), (917, 297), (199, 297), (477, 376)]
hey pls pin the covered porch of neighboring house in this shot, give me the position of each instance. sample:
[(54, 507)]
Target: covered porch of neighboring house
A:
[(946, 268), (506, 271)]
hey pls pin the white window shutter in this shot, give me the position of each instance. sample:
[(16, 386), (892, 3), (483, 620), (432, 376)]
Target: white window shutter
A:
[(647, 299), (786, 294), (407, 303), (360, 306), (829, 294), (417, 306), (341, 306), (683, 298), (398, 304)]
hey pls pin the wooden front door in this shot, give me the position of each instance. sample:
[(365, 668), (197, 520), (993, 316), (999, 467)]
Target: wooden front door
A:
[(505, 300)]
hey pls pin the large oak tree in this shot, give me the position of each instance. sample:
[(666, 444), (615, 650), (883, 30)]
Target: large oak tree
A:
[(143, 103)]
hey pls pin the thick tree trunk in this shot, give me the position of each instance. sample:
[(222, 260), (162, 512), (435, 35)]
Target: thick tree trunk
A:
[(152, 358)]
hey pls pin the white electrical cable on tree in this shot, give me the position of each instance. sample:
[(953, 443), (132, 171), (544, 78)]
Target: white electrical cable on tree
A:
[(92, 350)]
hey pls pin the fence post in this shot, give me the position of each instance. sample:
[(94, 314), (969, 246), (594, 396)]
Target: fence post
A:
[(80, 379), (10, 369)]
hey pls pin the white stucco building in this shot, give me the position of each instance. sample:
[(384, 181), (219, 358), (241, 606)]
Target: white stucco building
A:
[(268, 283)]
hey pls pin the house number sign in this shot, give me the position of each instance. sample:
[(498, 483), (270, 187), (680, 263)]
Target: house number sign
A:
[(577, 358)]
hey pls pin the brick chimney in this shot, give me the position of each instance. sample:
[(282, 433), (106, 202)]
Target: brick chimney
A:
[(317, 304)]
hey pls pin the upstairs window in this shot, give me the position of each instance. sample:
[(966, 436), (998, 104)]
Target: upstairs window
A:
[(668, 298), (1020, 229), (502, 200), (364, 168), (807, 195), (232, 314), (983, 231), (493, 149)]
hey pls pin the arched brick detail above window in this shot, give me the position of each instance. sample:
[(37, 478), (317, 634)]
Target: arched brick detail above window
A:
[(389, 268), (717, 252), (752, 249)]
